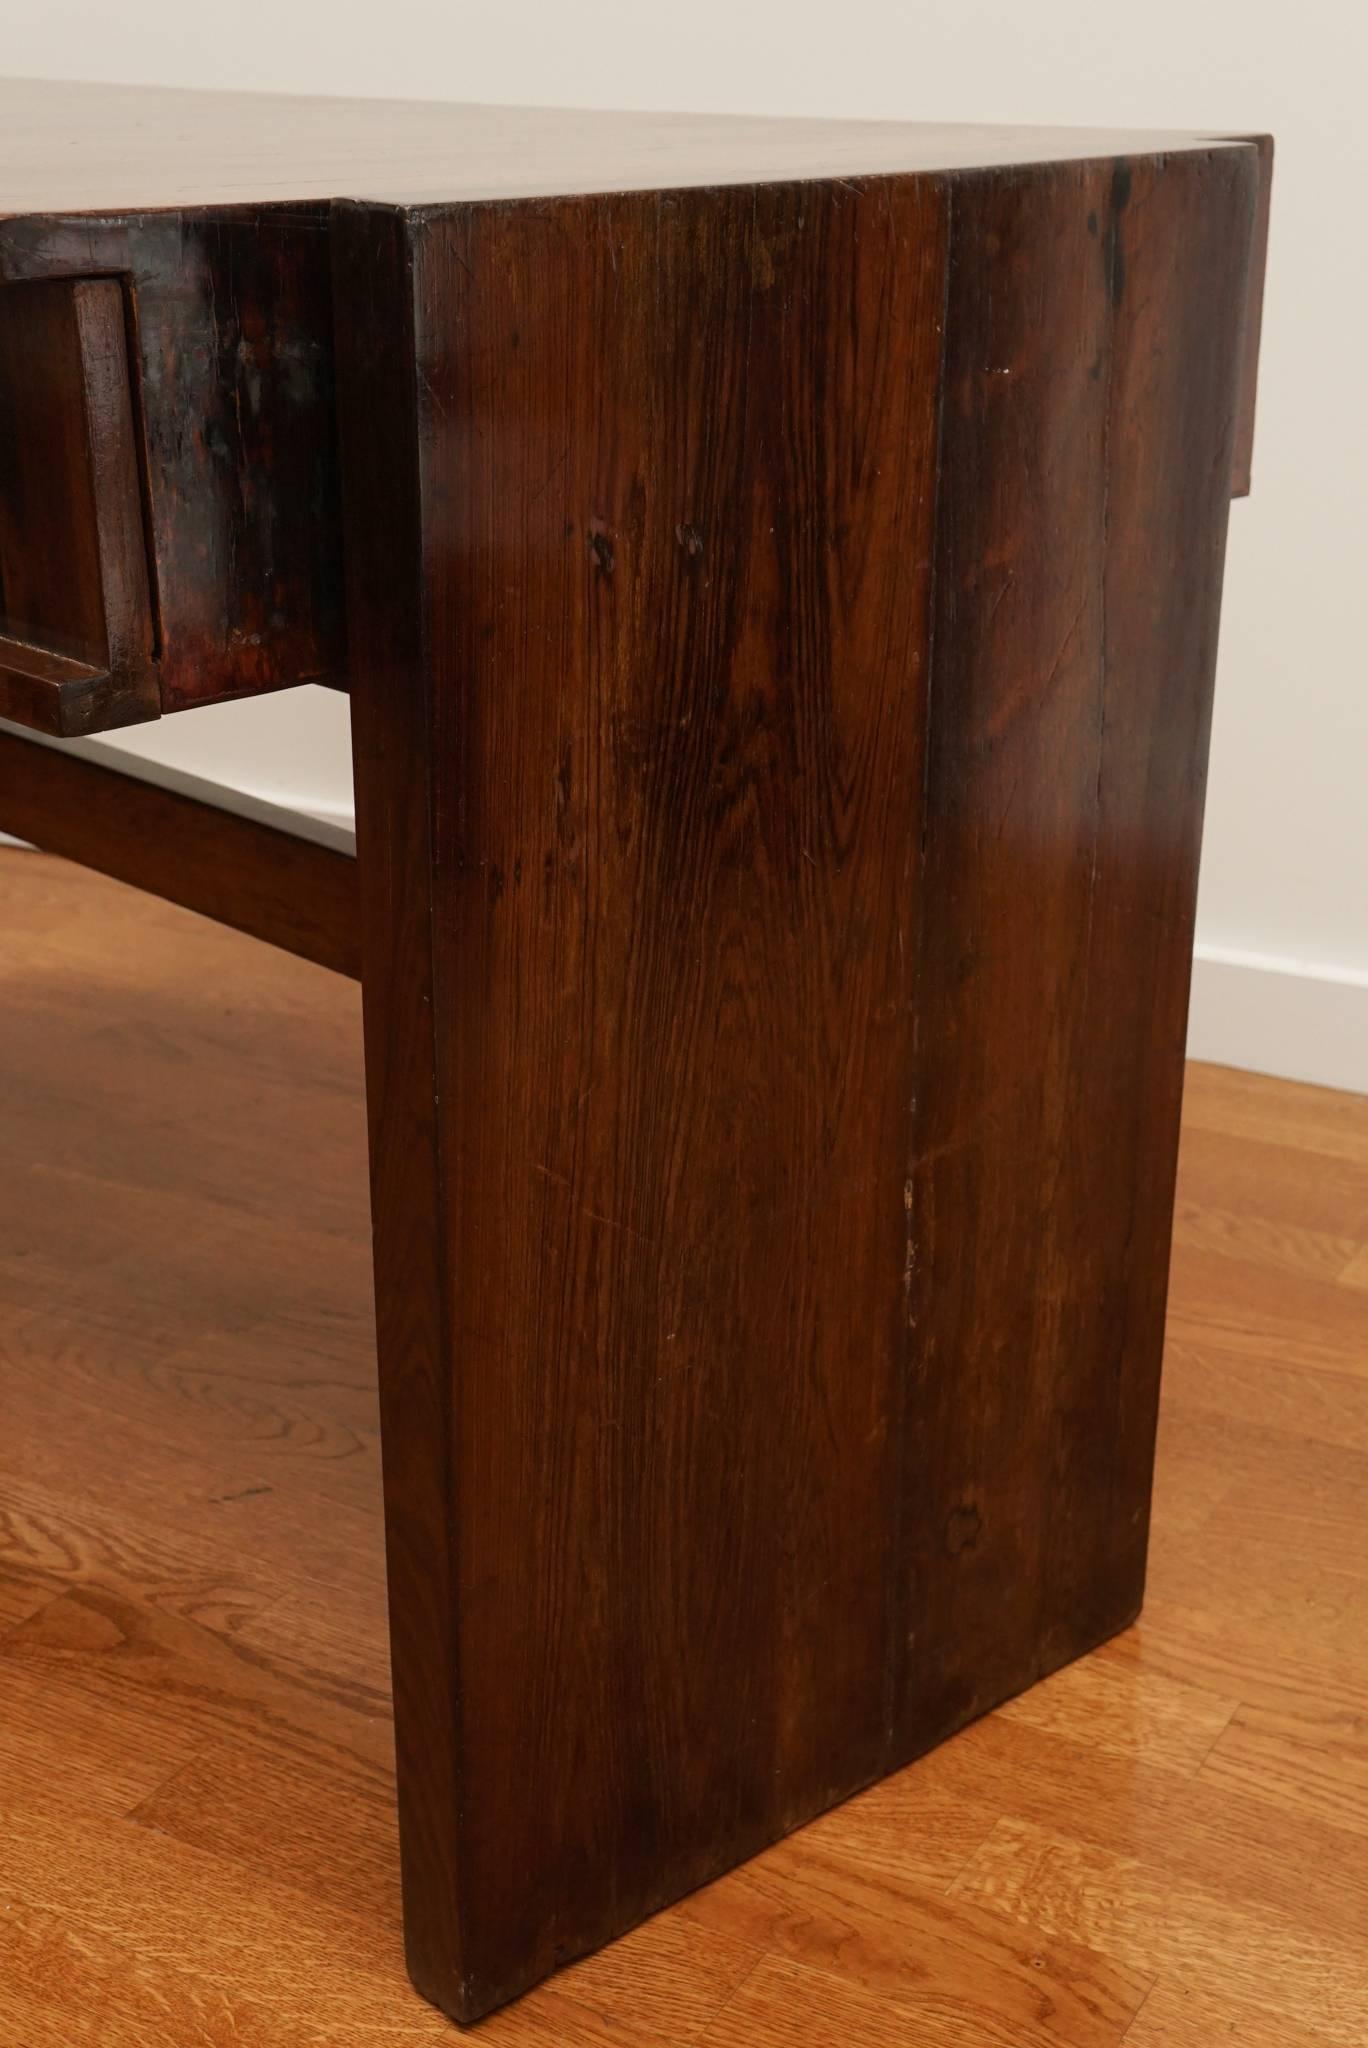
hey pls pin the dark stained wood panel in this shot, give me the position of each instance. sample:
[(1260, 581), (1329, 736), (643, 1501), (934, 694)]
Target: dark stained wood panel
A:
[(1085, 484), (674, 464), (230, 319), (76, 635), (1185, 239), (260, 878), (776, 1082), (51, 586), (1011, 817), (377, 394)]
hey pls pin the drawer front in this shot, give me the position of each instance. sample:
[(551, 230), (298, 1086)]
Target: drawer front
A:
[(169, 506), (76, 638)]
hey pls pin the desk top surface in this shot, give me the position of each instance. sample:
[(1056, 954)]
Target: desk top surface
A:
[(113, 149)]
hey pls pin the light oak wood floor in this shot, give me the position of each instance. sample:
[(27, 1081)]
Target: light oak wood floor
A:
[(1166, 1844)]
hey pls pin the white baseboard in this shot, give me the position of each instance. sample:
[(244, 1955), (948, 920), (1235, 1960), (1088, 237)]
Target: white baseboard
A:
[(1296, 1018)]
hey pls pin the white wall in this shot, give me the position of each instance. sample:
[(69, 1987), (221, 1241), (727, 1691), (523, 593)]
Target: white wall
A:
[(1283, 931)]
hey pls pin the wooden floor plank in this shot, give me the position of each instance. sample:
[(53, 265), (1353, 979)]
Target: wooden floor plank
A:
[(1252, 1310), (1178, 2015), (783, 2005), (958, 1969), (1134, 1912), (1104, 1702), (1163, 1845), (1322, 1121), (1317, 1765), (1263, 1243), (1267, 1184)]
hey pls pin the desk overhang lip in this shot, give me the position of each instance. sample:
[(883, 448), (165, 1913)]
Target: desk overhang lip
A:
[(468, 153)]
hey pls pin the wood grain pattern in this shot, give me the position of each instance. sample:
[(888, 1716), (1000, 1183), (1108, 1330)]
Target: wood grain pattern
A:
[(270, 883), (711, 620), (783, 671), (1087, 452), (158, 1862)]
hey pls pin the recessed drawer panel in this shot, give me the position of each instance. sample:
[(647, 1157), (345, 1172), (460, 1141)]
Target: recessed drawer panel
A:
[(76, 634), (169, 519)]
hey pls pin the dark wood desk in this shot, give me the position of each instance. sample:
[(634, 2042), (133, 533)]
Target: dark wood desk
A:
[(777, 570)]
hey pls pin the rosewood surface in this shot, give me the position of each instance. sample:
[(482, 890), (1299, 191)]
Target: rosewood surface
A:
[(781, 569), (781, 676)]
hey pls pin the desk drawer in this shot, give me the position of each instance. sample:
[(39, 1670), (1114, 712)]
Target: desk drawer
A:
[(76, 642), (169, 517)]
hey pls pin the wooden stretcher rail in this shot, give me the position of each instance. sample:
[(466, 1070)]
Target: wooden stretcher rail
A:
[(260, 869)]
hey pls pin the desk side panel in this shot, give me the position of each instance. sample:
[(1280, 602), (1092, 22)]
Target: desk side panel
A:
[(1092, 381), (639, 715)]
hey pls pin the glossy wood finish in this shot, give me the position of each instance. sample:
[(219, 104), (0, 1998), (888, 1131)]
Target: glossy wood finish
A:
[(76, 640), (1162, 1845), (663, 942), (1085, 477), (782, 667), (253, 873)]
